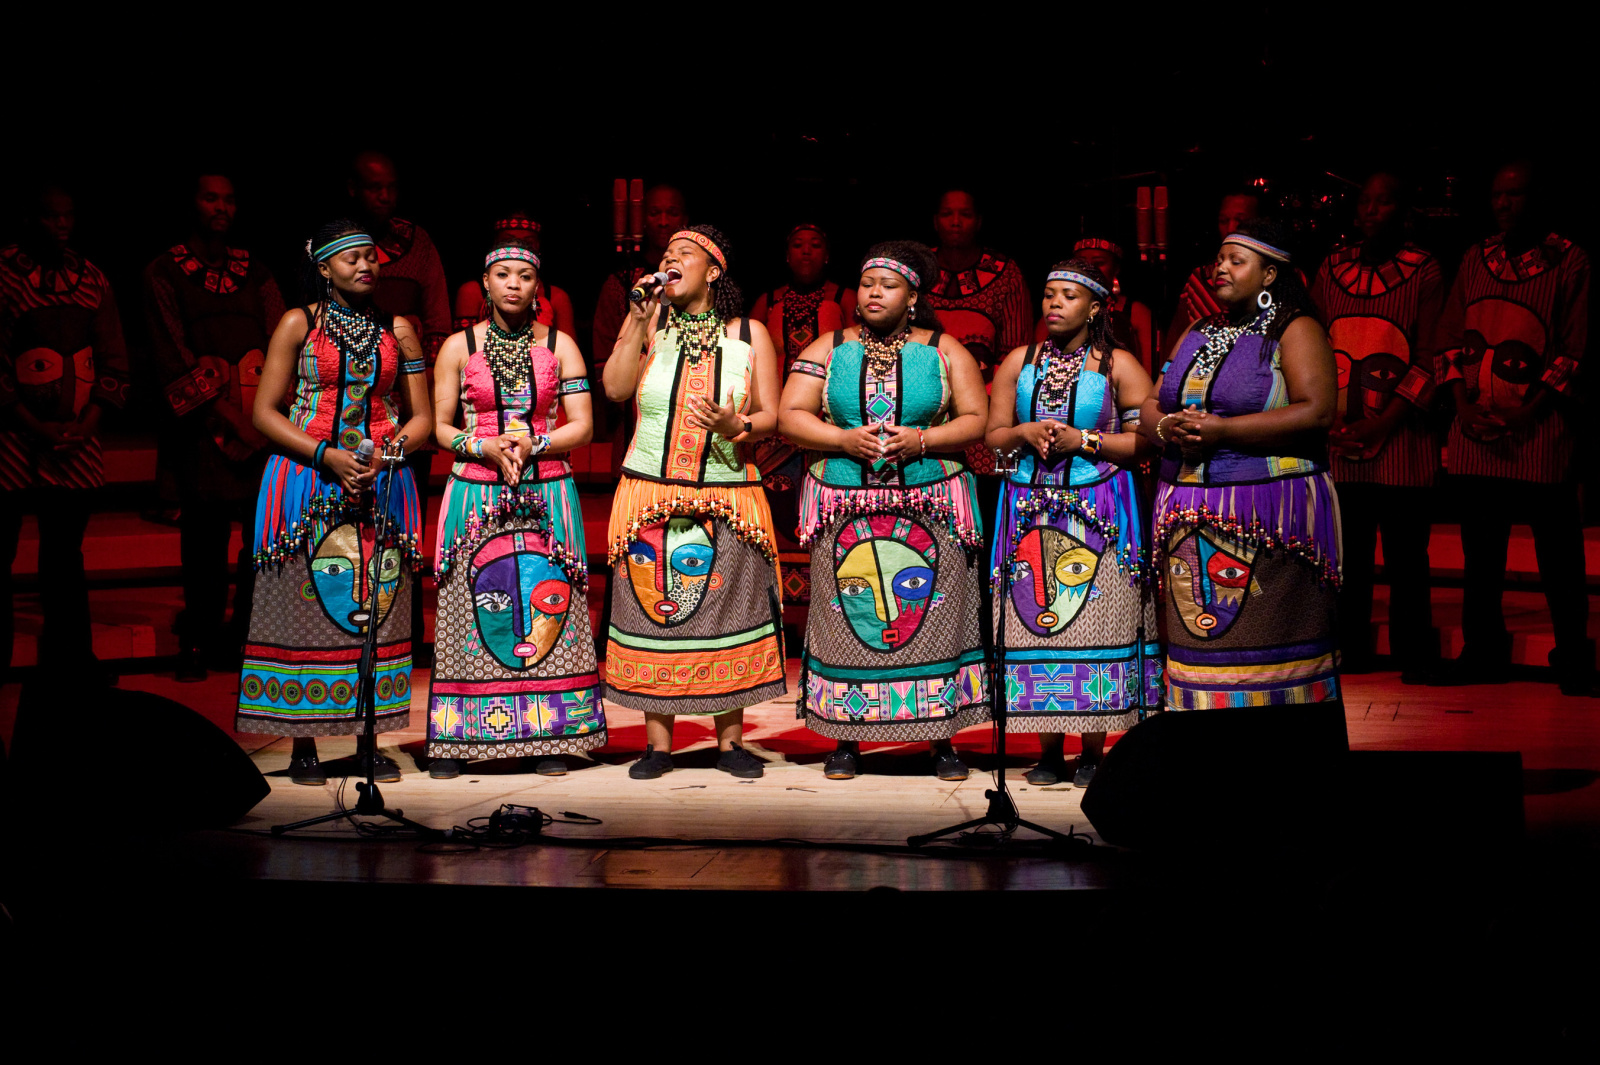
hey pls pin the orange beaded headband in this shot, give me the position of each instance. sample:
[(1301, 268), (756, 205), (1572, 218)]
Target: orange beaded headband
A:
[(705, 242)]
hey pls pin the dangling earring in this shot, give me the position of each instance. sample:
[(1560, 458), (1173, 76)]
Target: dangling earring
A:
[(859, 318), (1264, 299)]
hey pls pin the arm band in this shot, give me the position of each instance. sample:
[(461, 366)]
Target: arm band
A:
[(316, 460)]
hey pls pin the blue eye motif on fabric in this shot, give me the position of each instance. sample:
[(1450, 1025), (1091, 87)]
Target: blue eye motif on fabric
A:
[(670, 594)]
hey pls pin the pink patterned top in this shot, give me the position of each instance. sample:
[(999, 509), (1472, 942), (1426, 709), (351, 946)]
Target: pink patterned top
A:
[(490, 410)]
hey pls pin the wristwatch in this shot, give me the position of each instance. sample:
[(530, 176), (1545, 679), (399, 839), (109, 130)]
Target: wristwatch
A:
[(747, 428)]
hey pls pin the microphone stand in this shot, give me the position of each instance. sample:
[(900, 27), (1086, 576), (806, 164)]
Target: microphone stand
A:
[(1002, 809), (370, 800)]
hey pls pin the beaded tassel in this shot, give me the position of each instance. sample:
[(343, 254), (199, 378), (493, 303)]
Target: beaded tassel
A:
[(699, 335)]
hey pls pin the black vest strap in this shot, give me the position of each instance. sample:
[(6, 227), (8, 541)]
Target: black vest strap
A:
[(472, 339), (838, 337), (744, 329), (838, 294), (1033, 353), (661, 319), (933, 341)]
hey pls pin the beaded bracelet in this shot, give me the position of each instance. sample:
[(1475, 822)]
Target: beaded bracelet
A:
[(1159, 434), (316, 460), (477, 447), (1090, 443), (458, 443), (922, 445), (541, 444)]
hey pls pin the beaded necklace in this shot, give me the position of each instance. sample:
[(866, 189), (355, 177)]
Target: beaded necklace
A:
[(883, 352), (699, 335), (1220, 340), (356, 334), (1060, 373), (509, 355)]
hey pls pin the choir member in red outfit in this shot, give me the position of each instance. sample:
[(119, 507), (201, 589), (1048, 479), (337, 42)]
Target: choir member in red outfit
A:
[(1198, 299), (414, 285)]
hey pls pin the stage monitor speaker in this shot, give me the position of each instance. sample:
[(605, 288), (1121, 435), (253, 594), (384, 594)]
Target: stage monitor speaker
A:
[(176, 770), (1199, 778)]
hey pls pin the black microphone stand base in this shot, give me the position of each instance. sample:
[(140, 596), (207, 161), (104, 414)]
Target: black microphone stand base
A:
[(370, 804), (1002, 812)]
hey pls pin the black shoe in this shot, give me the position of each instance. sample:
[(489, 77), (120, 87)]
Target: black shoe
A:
[(741, 763), (385, 770), (1459, 672), (1043, 775), (842, 764), (1084, 774), (189, 668), (1574, 668), (947, 765), (551, 767), (444, 769), (307, 770), (652, 765)]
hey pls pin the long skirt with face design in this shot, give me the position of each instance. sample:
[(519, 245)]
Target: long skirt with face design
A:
[(894, 649), (319, 570), (696, 618), (1075, 617), (514, 669), (1249, 579)]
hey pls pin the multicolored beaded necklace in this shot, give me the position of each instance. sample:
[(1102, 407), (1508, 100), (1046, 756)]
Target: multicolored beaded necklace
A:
[(1059, 373), (699, 335), (356, 334), (882, 353), (1220, 340), (509, 355)]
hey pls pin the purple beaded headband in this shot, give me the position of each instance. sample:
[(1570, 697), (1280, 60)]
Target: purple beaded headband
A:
[(897, 266), (1260, 247), (502, 254), (1079, 279)]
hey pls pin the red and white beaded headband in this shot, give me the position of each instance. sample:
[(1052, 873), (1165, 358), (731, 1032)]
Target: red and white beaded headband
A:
[(502, 254), (1098, 244), (527, 225), (705, 242), (1260, 247), (881, 262)]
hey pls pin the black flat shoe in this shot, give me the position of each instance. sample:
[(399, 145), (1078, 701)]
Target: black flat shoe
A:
[(307, 771), (947, 765), (1085, 773), (842, 764), (652, 765), (1042, 775), (551, 767), (741, 763), (444, 769), (385, 770)]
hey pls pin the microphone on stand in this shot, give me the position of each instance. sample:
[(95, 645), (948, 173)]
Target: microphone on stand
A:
[(1161, 222), (636, 212), (619, 212), (1141, 217), (648, 286)]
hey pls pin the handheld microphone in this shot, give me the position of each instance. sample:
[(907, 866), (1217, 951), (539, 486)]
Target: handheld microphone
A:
[(648, 285), (363, 452)]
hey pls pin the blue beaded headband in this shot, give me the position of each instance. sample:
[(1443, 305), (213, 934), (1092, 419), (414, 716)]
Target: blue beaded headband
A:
[(339, 244), (1079, 279), (1258, 246), (501, 254), (897, 266)]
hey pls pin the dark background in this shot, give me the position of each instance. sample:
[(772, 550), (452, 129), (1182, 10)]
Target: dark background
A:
[(859, 139)]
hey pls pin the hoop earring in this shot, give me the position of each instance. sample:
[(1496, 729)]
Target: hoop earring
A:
[(1264, 298), (859, 318)]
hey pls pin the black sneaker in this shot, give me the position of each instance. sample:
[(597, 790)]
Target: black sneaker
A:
[(947, 765), (1084, 774), (652, 765), (551, 767), (842, 764), (1043, 775), (741, 763), (307, 770), (189, 669), (444, 769)]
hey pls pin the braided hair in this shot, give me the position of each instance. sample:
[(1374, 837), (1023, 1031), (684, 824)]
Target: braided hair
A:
[(315, 287), (920, 258), (1100, 338), (1288, 290), (726, 297)]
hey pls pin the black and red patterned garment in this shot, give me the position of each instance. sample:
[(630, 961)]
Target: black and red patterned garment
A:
[(61, 348), (1380, 319), (1512, 321), (209, 327), (986, 307), (412, 283)]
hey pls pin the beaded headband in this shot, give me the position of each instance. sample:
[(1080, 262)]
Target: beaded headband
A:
[(1258, 246), (808, 225), (1079, 279), (705, 242), (502, 254), (527, 225), (1098, 244), (897, 266), (339, 244)]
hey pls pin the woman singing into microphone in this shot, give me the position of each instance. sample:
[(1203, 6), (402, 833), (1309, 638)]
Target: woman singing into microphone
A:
[(346, 377), (696, 623)]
